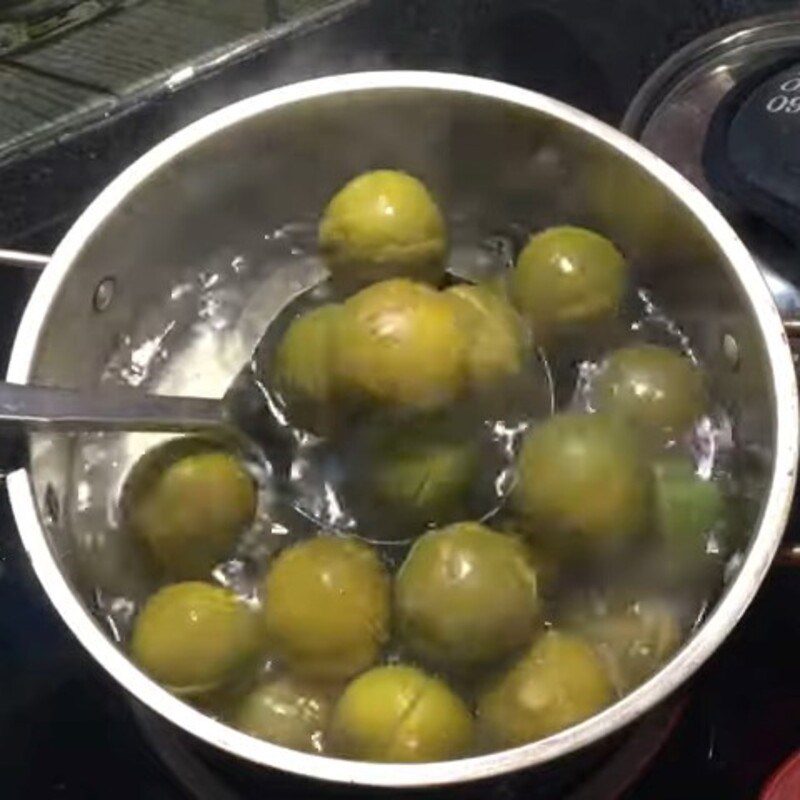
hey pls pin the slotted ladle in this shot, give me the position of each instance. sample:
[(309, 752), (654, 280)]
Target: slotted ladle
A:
[(242, 416)]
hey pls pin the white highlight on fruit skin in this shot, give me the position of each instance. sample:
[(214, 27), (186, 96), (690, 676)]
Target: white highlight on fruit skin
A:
[(643, 389), (566, 265)]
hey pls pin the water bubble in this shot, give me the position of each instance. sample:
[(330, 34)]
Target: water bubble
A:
[(239, 265)]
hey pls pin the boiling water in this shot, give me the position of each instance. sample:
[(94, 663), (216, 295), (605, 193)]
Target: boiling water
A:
[(203, 334)]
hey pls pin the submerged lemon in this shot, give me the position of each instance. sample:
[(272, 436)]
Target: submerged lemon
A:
[(400, 714), (193, 636)]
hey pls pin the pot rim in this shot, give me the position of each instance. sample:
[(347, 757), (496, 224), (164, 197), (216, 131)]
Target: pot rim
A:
[(728, 610)]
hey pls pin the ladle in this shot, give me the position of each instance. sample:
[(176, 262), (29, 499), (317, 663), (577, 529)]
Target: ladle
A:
[(244, 416)]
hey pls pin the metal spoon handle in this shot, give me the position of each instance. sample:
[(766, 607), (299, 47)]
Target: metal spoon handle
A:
[(24, 407)]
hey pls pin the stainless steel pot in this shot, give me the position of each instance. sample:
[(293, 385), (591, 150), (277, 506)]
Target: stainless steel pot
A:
[(492, 153)]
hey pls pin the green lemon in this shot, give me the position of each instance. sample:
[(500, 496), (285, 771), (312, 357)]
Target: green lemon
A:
[(401, 344), (581, 483), (559, 682), (657, 387), (380, 225), (634, 641), (423, 476), (497, 335), (192, 637), (466, 596), (304, 360), (687, 508), (400, 714), (326, 607), (288, 712), (305, 366), (190, 512), (568, 276)]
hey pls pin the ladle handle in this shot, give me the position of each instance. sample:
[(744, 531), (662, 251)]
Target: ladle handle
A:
[(25, 408), (789, 552), (38, 408)]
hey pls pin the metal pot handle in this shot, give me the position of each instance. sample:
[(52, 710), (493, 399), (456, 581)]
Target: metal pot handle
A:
[(792, 328), (19, 258), (789, 552), (13, 445)]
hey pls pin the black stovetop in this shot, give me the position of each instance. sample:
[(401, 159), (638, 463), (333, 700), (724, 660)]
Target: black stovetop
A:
[(67, 731)]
